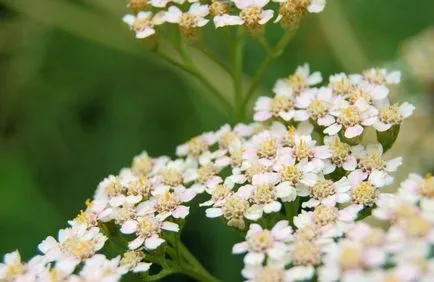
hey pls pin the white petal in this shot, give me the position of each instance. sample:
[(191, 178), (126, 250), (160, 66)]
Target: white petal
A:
[(170, 226), (129, 227), (213, 212), (353, 131), (153, 242)]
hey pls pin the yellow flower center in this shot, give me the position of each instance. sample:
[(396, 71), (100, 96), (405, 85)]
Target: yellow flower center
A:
[(226, 139), (235, 207), (270, 274), (350, 257), (198, 145), (306, 233), (138, 4), (141, 23), (390, 115), (172, 177), (131, 258), (297, 82), (205, 173), (364, 194), (359, 93), (291, 173), (373, 161), (323, 215), (142, 165), (260, 241), (289, 138), (416, 226), (317, 109), (167, 202), (264, 194), (350, 116), (141, 186), (343, 86), (13, 271), (251, 16), (148, 226), (322, 189), (218, 8), (188, 25), (306, 253), (267, 148), (220, 192), (340, 151), (427, 188), (254, 169), (113, 188), (77, 247), (280, 104), (302, 151), (374, 238), (374, 77), (237, 157)]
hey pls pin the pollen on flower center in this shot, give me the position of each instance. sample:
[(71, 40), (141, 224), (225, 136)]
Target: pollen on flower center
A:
[(138, 4), (197, 145), (270, 274), (343, 86), (226, 139), (306, 253), (264, 194), (322, 189), (188, 26), (254, 169), (167, 202), (340, 151), (350, 257), (267, 148), (364, 194), (141, 23), (291, 173), (260, 241), (77, 247), (297, 82), (374, 76), (131, 258), (205, 173), (125, 213), (172, 177), (220, 192), (141, 186), (390, 115), (251, 16), (404, 211), (416, 226), (357, 94), (218, 8), (289, 138), (87, 218), (13, 271), (306, 233), (302, 151), (235, 207), (323, 215), (148, 226), (280, 104), (113, 188), (427, 187), (373, 161), (237, 157), (142, 165), (350, 116), (317, 109)]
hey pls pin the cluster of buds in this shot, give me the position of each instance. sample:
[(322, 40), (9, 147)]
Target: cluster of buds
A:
[(190, 16), (295, 182)]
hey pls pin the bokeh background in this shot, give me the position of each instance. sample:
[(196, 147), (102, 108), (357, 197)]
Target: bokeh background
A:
[(79, 97)]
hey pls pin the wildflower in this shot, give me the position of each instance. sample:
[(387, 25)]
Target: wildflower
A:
[(147, 229), (252, 14), (261, 242), (110, 190), (133, 261), (189, 22), (272, 271), (341, 84), (352, 118), (295, 84), (99, 268), (342, 155), (143, 23), (74, 245), (142, 164), (327, 192), (315, 104), (392, 115), (12, 267)]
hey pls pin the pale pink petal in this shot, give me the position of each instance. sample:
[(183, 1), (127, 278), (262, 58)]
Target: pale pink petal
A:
[(181, 212), (353, 131), (240, 248), (333, 129), (153, 242), (129, 227)]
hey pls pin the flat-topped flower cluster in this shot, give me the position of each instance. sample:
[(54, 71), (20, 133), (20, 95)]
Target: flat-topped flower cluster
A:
[(190, 16), (296, 182)]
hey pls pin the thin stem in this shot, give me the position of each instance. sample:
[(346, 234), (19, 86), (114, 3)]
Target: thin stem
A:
[(238, 70), (195, 73), (182, 50), (194, 268), (163, 273), (214, 59), (276, 51)]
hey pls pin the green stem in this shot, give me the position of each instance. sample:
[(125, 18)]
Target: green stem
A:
[(163, 273), (276, 51), (194, 268), (238, 70), (182, 50)]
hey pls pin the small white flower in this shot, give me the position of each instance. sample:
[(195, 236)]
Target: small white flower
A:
[(392, 115), (295, 84), (329, 193), (99, 268), (194, 18), (252, 13), (315, 104), (143, 23), (261, 242), (147, 229), (133, 261)]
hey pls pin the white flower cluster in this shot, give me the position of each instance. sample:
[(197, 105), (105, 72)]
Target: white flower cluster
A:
[(190, 16), (291, 181)]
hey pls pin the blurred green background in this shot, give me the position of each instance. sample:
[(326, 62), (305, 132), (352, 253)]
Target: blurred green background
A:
[(79, 97)]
